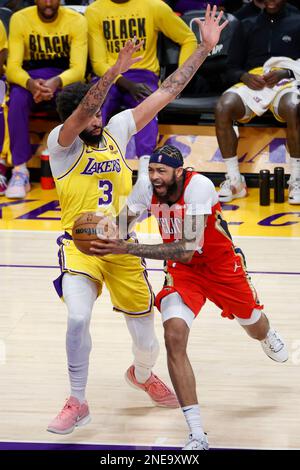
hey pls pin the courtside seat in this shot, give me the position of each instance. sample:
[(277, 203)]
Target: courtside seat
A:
[(194, 105), (190, 110)]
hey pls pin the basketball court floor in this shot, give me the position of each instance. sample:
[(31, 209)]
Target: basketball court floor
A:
[(247, 400)]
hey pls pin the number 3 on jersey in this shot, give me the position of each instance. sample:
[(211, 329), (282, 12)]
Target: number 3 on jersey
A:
[(106, 189)]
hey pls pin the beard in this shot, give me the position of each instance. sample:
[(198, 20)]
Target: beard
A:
[(91, 139), (172, 188), (48, 16)]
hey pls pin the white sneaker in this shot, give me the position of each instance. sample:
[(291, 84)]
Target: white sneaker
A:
[(18, 185), (294, 191), (274, 347), (196, 443), (232, 188)]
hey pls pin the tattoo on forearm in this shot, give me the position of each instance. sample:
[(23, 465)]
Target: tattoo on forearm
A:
[(177, 81), (172, 251), (95, 97)]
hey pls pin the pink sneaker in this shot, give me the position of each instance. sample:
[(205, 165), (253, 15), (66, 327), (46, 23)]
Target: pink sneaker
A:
[(73, 414), (159, 393), (3, 181)]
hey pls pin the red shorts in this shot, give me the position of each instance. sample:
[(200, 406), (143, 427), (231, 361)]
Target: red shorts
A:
[(225, 282)]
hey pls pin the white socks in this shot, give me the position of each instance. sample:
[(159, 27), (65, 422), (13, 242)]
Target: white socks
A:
[(295, 168), (143, 166), (2, 161), (145, 345), (193, 419), (232, 167), (22, 168), (142, 374), (80, 294)]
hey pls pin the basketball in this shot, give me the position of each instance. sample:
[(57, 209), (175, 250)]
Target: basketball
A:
[(92, 226)]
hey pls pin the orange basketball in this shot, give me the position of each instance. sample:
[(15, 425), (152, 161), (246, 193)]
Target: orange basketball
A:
[(92, 226)]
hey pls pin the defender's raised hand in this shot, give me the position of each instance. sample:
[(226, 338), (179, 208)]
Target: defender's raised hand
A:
[(125, 59), (210, 28), (93, 100)]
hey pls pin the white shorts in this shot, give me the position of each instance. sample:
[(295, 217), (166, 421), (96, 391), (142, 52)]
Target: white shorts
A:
[(274, 106)]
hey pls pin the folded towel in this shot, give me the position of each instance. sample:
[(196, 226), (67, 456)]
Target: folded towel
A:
[(260, 100)]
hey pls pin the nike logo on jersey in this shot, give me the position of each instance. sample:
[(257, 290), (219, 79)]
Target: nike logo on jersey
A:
[(107, 166)]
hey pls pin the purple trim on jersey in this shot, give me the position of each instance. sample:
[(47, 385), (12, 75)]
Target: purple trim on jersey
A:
[(57, 283), (152, 299), (138, 314), (65, 235), (61, 259), (74, 164)]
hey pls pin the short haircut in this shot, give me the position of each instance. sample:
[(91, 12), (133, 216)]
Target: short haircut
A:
[(69, 98)]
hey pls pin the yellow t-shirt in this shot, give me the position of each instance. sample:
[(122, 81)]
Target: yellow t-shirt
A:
[(34, 44), (111, 24)]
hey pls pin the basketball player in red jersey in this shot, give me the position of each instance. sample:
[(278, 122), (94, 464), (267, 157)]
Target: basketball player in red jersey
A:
[(202, 263)]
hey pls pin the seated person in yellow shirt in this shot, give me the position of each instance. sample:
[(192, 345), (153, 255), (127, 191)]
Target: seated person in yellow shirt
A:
[(110, 24), (47, 51)]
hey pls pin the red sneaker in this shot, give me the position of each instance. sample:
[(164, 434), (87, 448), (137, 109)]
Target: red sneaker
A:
[(159, 393)]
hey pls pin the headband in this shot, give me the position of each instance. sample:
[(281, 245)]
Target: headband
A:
[(165, 159)]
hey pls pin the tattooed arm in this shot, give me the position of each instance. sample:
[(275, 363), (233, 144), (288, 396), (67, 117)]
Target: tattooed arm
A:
[(93, 100), (175, 83), (176, 251), (181, 250)]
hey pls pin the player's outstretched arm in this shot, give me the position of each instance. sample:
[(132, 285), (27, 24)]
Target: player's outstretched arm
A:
[(210, 30), (93, 100), (180, 250)]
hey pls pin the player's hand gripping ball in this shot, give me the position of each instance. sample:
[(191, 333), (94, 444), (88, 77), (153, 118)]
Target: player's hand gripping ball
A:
[(92, 226)]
